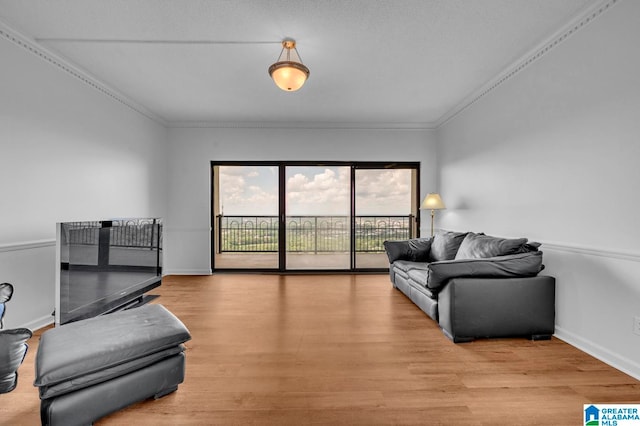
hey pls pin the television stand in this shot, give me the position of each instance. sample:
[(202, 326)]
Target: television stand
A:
[(134, 303)]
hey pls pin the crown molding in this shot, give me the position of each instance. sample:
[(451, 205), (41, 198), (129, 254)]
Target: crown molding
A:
[(581, 20), (33, 47), (156, 42), (306, 125)]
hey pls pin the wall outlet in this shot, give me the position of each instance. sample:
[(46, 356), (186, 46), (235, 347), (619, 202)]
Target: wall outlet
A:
[(636, 325)]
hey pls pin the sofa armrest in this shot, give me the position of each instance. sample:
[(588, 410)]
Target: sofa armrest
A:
[(481, 307), (510, 266)]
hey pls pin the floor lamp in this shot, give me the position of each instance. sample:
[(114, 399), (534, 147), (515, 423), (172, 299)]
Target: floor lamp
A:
[(432, 202)]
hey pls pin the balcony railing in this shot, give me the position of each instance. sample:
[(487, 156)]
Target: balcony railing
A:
[(311, 234), (139, 233)]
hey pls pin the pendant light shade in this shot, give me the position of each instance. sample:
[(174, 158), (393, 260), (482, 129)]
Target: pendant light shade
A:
[(289, 73)]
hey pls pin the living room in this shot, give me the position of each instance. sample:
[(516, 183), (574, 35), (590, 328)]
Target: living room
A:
[(544, 148)]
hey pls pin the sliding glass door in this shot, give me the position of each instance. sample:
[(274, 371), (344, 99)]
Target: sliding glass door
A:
[(318, 217), (301, 216), (245, 217), (385, 209)]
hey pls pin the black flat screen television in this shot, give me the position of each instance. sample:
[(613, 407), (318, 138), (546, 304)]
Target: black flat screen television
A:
[(105, 265)]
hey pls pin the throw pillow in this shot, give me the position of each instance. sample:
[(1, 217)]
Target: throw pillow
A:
[(419, 249), (415, 250), (479, 246), (396, 250), (445, 245)]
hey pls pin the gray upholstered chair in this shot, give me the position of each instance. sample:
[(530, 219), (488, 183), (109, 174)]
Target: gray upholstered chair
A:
[(13, 345), (6, 291), (13, 348)]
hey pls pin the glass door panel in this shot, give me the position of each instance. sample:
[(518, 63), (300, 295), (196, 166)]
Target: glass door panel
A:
[(317, 217), (245, 206), (385, 209)]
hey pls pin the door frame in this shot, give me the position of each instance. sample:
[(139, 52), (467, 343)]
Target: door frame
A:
[(282, 165)]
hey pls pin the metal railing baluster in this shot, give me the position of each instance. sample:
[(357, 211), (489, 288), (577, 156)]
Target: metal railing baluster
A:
[(312, 234)]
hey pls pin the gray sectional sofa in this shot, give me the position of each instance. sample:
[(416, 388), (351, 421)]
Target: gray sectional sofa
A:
[(475, 285)]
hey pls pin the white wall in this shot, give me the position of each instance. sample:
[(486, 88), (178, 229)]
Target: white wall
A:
[(67, 152), (552, 154), (188, 242)]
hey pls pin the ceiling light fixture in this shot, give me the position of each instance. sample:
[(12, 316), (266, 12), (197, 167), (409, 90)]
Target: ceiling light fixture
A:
[(289, 73)]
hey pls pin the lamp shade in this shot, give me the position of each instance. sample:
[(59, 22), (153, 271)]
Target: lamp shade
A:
[(289, 73), (289, 76), (433, 202)]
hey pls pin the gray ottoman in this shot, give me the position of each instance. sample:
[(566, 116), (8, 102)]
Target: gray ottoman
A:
[(91, 368)]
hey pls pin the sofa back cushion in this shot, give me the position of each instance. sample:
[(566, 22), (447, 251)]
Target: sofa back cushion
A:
[(479, 246), (415, 250), (445, 245)]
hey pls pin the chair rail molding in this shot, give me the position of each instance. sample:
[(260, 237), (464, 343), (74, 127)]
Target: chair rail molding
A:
[(27, 245), (591, 251)]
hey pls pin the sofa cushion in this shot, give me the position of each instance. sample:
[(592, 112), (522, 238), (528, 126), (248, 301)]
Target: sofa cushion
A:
[(13, 348), (510, 266), (428, 292), (445, 245), (418, 277), (415, 250), (404, 266), (476, 246)]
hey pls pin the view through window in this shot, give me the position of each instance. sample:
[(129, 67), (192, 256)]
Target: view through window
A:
[(310, 217)]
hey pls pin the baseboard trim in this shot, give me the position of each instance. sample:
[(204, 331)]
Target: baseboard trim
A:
[(186, 272), (38, 323), (623, 364)]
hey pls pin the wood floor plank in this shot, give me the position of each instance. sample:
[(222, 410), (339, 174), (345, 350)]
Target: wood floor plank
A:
[(345, 349)]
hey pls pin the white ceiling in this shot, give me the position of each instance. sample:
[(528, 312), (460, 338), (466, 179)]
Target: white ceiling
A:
[(399, 62)]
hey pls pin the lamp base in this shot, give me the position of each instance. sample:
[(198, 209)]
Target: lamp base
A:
[(433, 213)]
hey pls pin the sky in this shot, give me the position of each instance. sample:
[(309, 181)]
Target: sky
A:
[(253, 190)]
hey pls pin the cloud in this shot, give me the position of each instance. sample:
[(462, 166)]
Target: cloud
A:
[(314, 191), (238, 197), (324, 193), (383, 192)]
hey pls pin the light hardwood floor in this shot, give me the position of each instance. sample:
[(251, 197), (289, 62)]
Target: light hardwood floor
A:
[(346, 349)]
